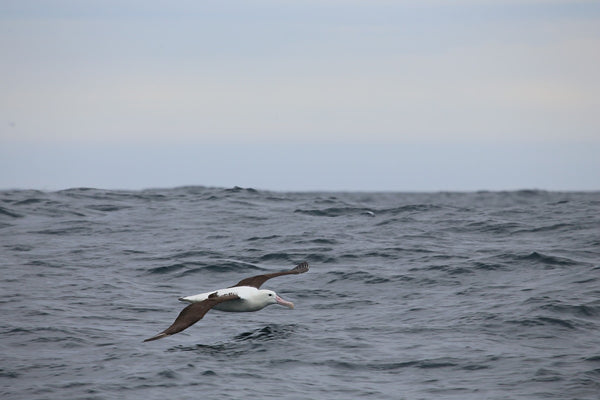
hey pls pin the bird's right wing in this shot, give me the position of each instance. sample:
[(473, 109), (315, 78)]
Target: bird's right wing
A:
[(192, 314), (257, 281)]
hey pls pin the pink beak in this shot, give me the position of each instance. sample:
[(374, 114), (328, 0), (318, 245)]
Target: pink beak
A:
[(283, 302)]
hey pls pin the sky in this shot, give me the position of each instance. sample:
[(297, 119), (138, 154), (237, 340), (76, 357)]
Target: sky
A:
[(377, 95)]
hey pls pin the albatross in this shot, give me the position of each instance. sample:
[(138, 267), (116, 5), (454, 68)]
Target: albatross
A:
[(245, 296)]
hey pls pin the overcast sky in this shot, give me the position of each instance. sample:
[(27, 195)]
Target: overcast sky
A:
[(300, 95)]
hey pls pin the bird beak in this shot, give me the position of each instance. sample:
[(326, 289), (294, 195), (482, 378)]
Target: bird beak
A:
[(283, 302)]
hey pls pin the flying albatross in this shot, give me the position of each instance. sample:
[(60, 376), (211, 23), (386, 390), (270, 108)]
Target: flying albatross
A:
[(245, 296)]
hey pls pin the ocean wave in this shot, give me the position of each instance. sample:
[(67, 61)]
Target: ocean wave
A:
[(557, 227), (267, 333), (335, 211), (348, 210), (237, 189), (409, 208), (6, 212), (492, 226), (191, 268), (260, 238), (590, 310), (544, 321), (278, 256), (451, 269), (491, 266), (68, 230), (547, 259), (361, 276), (29, 201), (107, 207), (8, 373), (537, 258), (166, 269), (392, 367)]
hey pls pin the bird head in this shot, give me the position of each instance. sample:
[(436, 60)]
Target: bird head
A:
[(270, 297)]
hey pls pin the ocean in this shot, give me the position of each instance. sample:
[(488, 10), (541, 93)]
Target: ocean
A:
[(483, 295)]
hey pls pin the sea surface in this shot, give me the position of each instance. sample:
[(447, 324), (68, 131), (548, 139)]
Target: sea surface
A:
[(487, 295)]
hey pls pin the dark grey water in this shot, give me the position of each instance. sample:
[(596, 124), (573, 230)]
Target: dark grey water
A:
[(414, 296)]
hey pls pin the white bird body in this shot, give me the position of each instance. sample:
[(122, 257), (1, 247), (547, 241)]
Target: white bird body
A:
[(250, 299)]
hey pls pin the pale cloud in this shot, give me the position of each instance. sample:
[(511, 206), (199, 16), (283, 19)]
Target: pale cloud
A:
[(463, 93), (327, 78)]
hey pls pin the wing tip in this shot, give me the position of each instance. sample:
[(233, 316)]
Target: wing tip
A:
[(159, 336), (301, 268)]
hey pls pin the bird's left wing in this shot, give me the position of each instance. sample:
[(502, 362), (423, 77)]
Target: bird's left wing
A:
[(192, 314)]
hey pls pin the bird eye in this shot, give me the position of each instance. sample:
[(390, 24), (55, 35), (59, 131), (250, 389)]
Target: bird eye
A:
[(270, 294)]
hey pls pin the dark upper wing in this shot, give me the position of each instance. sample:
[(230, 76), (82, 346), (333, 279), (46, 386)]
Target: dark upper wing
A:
[(192, 314), (257, 281)]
